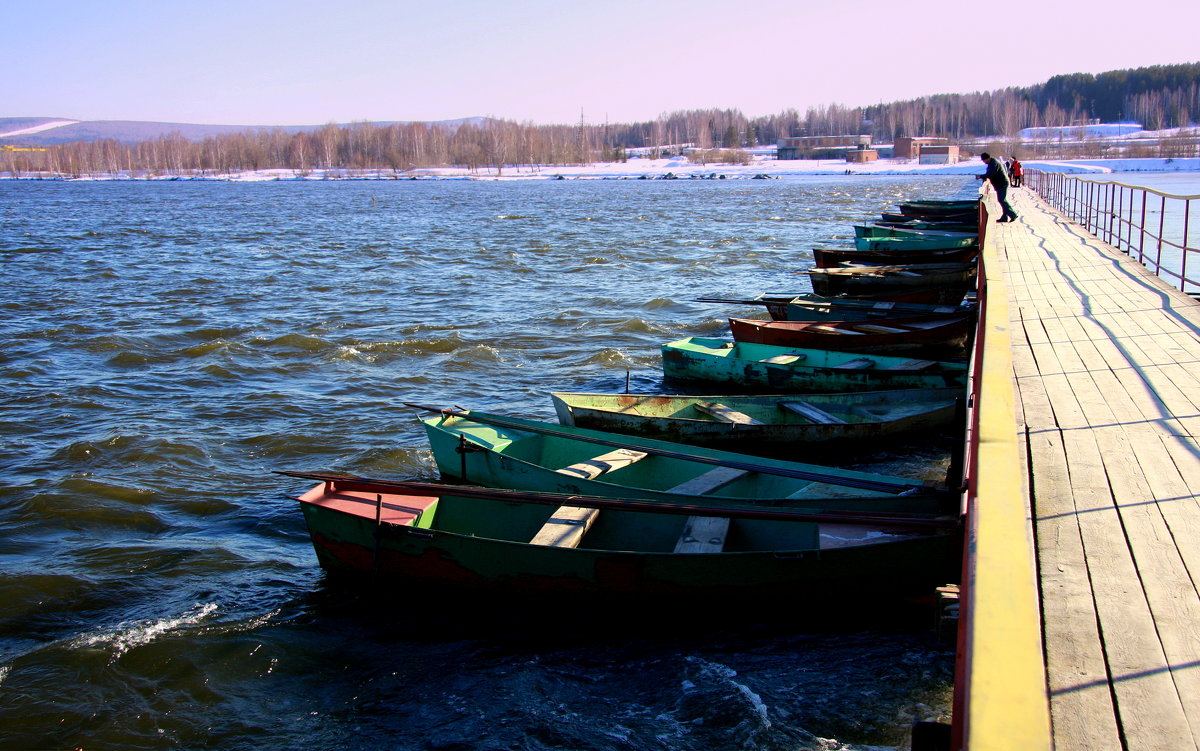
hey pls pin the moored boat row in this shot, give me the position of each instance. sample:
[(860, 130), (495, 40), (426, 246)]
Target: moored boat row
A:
[(672, 494)]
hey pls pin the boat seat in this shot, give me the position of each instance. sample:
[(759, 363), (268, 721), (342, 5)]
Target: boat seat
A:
[(812, 412), (703, 534), (593, 468), (714, 479), (834, 330), (871, 413), (861, 363), (726, 414), (568, 524), (566, 527), (784, 359), (915, 365)]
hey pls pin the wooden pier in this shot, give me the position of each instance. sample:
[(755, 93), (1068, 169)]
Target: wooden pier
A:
[(1105, 358)]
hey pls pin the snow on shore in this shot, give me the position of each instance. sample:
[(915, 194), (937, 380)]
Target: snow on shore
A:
[(680, 167)]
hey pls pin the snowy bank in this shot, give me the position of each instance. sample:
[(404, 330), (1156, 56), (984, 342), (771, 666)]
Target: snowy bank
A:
[(760, 167)]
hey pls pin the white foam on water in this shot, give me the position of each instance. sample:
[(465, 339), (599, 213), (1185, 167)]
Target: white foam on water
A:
[(126, 637)]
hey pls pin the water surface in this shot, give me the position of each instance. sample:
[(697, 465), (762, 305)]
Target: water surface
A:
[(167, 345)]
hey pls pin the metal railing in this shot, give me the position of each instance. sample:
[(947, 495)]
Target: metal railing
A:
[(1158, 229)]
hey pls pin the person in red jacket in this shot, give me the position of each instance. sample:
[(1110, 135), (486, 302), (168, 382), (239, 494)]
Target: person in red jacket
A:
[(1016, 172)]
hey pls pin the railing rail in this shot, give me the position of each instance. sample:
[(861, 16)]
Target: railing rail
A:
[(1159, 229)]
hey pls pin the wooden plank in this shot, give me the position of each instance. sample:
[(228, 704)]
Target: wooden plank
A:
[(568, 524), (1081, 707), (1111, 376), (726, 414), (566, 527), (878, 329), (811, 412), (593, 468), (703, 534), (859, 363), (835, 330), (1169, 588), (784, 359), (915, 365), (711, 480), (1001, 701)]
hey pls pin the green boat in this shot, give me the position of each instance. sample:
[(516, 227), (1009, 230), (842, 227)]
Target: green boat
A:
[(878, 230), (810, 307), (783, 425), (428, 538), (940, 283), (954, 224), (915, 243), (827, 258), (510, 452), (935, 207), (743, 367)]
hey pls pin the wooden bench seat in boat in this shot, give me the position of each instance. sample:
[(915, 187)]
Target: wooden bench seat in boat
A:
[(726, 414), (705, 534), (784, 359), (811, 412), (915, 365), (835, 330), (860, 363), (590, 469), (568, 524)]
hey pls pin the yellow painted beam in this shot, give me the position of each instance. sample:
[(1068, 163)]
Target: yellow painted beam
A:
[(1002, 694)]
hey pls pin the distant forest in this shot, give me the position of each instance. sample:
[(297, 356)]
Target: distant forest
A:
[(1158, 97)]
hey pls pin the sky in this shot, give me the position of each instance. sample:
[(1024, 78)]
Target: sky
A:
[(310, 62)]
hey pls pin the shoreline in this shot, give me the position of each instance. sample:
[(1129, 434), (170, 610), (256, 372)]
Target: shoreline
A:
[(654, 169)]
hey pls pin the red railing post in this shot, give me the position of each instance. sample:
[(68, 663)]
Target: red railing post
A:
[(1162, 218), (1142, 227), (1187, 215)]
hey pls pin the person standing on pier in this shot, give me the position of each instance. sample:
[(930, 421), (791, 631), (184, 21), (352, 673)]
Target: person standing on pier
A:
[(998, 177), (1016, 172)]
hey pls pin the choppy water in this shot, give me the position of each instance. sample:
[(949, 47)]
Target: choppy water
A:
[(167, 345)]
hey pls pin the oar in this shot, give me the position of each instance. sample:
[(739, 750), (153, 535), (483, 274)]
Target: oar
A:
[(882, 486), (885, 518)]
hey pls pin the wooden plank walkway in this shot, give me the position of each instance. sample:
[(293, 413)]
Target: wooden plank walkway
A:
[(1106, 360)]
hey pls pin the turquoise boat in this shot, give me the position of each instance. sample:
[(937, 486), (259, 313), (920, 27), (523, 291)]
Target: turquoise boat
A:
[(941, 283), (828, 258), (510, 452), (915, 243), (428, 538), (783, 425), (742, 367), (810, 307), (878, 230)]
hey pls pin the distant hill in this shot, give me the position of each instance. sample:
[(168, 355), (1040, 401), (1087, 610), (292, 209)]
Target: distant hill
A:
[(52, 131)]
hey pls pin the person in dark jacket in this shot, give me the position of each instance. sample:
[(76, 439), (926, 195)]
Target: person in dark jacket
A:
[(998, 177)]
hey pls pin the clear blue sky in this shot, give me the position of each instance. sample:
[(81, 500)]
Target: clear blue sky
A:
[(301, 62)]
